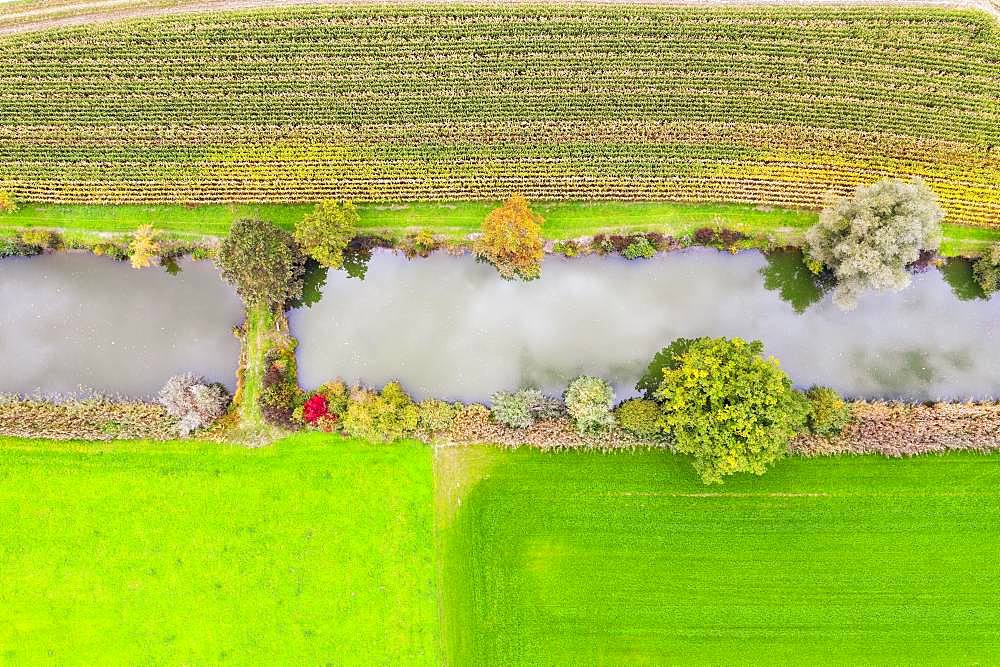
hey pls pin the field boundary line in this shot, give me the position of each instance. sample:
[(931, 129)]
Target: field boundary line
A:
[(79, 13)]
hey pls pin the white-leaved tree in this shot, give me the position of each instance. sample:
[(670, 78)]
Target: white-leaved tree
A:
[(193, 402), (868, 239)]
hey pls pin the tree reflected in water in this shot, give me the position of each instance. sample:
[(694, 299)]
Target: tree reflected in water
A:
[(787, 274)]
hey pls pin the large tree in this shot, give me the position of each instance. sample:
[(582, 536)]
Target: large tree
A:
[(867, 240), (325, 232), (728, 407), (512, 240), (262, 262)]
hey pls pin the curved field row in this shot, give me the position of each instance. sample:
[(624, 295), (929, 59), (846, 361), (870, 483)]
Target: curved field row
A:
[(774, 106)]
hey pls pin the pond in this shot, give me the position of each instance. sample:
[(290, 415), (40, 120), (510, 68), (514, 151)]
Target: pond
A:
[(448, 327), (75, 322)]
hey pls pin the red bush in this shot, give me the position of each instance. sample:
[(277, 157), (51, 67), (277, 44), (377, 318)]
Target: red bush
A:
[(315, 408)]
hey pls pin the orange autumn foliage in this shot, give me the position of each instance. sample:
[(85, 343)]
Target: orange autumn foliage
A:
[(512, 239)]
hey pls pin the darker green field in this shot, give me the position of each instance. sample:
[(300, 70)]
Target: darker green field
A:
[(310, 552), (578, 558)]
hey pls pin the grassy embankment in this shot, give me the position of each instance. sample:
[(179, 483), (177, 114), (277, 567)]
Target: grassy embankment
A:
[(584, 558), (193, 553), (457, 220)]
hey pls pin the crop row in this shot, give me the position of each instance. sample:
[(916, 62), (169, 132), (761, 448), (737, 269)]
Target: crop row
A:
[(774, 106)]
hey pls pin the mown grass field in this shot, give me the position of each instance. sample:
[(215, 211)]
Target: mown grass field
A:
[(456, 220), (757, 105), (180, 553), (321, 550), (578, 558)]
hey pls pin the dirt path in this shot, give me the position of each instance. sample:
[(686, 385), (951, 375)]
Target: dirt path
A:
[(42, 14)]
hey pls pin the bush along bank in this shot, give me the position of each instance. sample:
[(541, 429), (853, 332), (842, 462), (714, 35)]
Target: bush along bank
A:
[(716, 400), (511, 237), (750, 421)]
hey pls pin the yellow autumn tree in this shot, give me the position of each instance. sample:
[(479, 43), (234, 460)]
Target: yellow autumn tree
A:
[(511, 240), (7, 203), (144, 247)]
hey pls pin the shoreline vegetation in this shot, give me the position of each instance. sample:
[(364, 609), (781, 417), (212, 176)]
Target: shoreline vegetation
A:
[(268, 402)]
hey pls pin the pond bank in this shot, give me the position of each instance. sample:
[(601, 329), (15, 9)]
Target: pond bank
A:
[(448, 327)]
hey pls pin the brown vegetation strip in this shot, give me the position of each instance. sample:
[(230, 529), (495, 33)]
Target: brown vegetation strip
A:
[(896, 430), (87, 419)]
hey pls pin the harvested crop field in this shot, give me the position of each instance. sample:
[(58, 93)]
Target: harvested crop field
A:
[(585, 558), (771, 106)]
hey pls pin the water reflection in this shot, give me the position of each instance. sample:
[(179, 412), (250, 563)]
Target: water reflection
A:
[(957, 272), (449, 327), (787, 274), (71, 320)]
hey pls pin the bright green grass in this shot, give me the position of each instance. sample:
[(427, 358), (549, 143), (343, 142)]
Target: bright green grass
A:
[(584, 558), (314, 551), (456, 220)]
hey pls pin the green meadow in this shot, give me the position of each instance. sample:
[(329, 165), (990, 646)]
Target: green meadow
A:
[(321, 550)]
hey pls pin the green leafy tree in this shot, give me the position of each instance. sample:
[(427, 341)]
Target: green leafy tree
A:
[(325, 233), (262, 262), (867, 240), (986, 270), (727, 407), (668, 357), (511, 240)]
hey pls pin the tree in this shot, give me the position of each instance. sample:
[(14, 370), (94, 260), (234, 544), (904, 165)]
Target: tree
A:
[(325, 233), (194, 403), (730, 409), (262, 262), (524, 407), (668, 357), (382, 417), (7, 203), (640, 417), (512, 240), (986, 270), (868, 240), (144, 247), (588, 401)]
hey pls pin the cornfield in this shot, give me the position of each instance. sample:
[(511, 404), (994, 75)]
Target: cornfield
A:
[(773, 106)]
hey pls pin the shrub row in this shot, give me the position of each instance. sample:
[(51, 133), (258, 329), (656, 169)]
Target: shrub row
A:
[(94, 418), (142, 247), (899, 429)]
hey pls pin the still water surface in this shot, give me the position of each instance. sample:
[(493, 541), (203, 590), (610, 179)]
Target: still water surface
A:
[(72, 321), (449, 327)]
